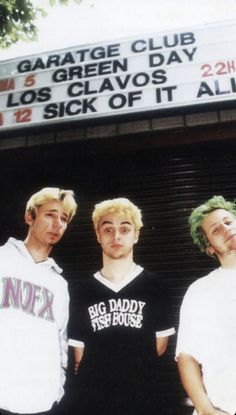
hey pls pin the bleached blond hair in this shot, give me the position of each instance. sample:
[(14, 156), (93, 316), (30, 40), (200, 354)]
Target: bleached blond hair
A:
[(48, 194), (121, 206)]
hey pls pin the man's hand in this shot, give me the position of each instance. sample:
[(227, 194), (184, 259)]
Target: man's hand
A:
[(76, 368)]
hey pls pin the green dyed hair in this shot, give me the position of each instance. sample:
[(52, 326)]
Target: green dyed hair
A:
[(198, 215)]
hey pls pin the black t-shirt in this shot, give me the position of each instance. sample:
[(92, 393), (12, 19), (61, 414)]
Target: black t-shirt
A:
[(118, 372)]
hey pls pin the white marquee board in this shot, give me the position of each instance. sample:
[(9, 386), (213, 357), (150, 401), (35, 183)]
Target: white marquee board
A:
[(171, 69)]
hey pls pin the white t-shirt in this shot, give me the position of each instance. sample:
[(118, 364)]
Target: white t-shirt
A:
[(33, 318), (207, 331)]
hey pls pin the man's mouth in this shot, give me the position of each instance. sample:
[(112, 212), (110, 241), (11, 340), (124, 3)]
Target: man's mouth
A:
[(233, 235)]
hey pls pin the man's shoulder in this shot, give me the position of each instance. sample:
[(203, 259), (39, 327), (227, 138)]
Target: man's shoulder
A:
[(205, 280), (10, 242), (153, 277), (8, 247), (153, 282)]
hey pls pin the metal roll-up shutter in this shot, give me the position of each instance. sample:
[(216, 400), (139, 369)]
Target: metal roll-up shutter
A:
[(166, 183)]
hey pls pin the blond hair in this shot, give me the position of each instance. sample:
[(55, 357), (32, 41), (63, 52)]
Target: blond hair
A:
[(121, 206), (48, 194)]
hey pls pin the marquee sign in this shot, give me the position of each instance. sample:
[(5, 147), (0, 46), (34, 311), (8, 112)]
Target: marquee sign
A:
[(164, 70)]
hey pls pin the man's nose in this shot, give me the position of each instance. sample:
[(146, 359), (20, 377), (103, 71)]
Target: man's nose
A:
[(116, 234), (57, 223)]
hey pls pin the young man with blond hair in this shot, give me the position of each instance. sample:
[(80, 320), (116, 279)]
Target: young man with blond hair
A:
[(206, 352), (120, 322), (34, 309)]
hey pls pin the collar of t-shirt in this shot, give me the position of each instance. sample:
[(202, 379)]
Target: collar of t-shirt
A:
[(117, 287), (20, 246)]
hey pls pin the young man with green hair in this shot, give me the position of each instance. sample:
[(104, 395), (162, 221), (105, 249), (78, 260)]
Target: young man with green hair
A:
[(206, 352)]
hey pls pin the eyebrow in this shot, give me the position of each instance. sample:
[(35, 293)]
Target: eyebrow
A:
[(217, 223), (57, 211), (111, 223)]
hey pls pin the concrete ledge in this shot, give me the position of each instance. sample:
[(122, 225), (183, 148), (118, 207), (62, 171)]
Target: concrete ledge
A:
[(166, 123), (134, 127), (70, 135), (101, 131), (10, 143), (202, 118), (228, 115), (39, 139)]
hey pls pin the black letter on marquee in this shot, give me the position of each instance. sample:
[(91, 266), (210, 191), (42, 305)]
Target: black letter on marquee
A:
[(204, 89)]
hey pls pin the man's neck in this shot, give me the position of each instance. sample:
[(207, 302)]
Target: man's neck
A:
[(229, 260), (37, 251), (116, 270)]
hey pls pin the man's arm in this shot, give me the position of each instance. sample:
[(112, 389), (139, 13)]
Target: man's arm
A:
[(161, 345), (191, 378), (78, 354)]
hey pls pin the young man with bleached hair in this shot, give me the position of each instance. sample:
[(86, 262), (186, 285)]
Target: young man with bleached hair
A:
[(120, 322), (206, 352), (34, 309)]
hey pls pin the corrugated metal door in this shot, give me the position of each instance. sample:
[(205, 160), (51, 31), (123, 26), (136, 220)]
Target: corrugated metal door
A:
[(166, 183)]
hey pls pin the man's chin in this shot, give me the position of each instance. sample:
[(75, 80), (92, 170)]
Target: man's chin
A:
[(53, 242), (117, 256)]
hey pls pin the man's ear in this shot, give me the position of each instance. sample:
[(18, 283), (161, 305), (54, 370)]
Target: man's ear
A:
[(210, 251), (137, 233), (28, 218), (98, 237)]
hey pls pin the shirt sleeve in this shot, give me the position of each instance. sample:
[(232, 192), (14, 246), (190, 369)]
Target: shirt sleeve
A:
[(191, 325), (63, 336)]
